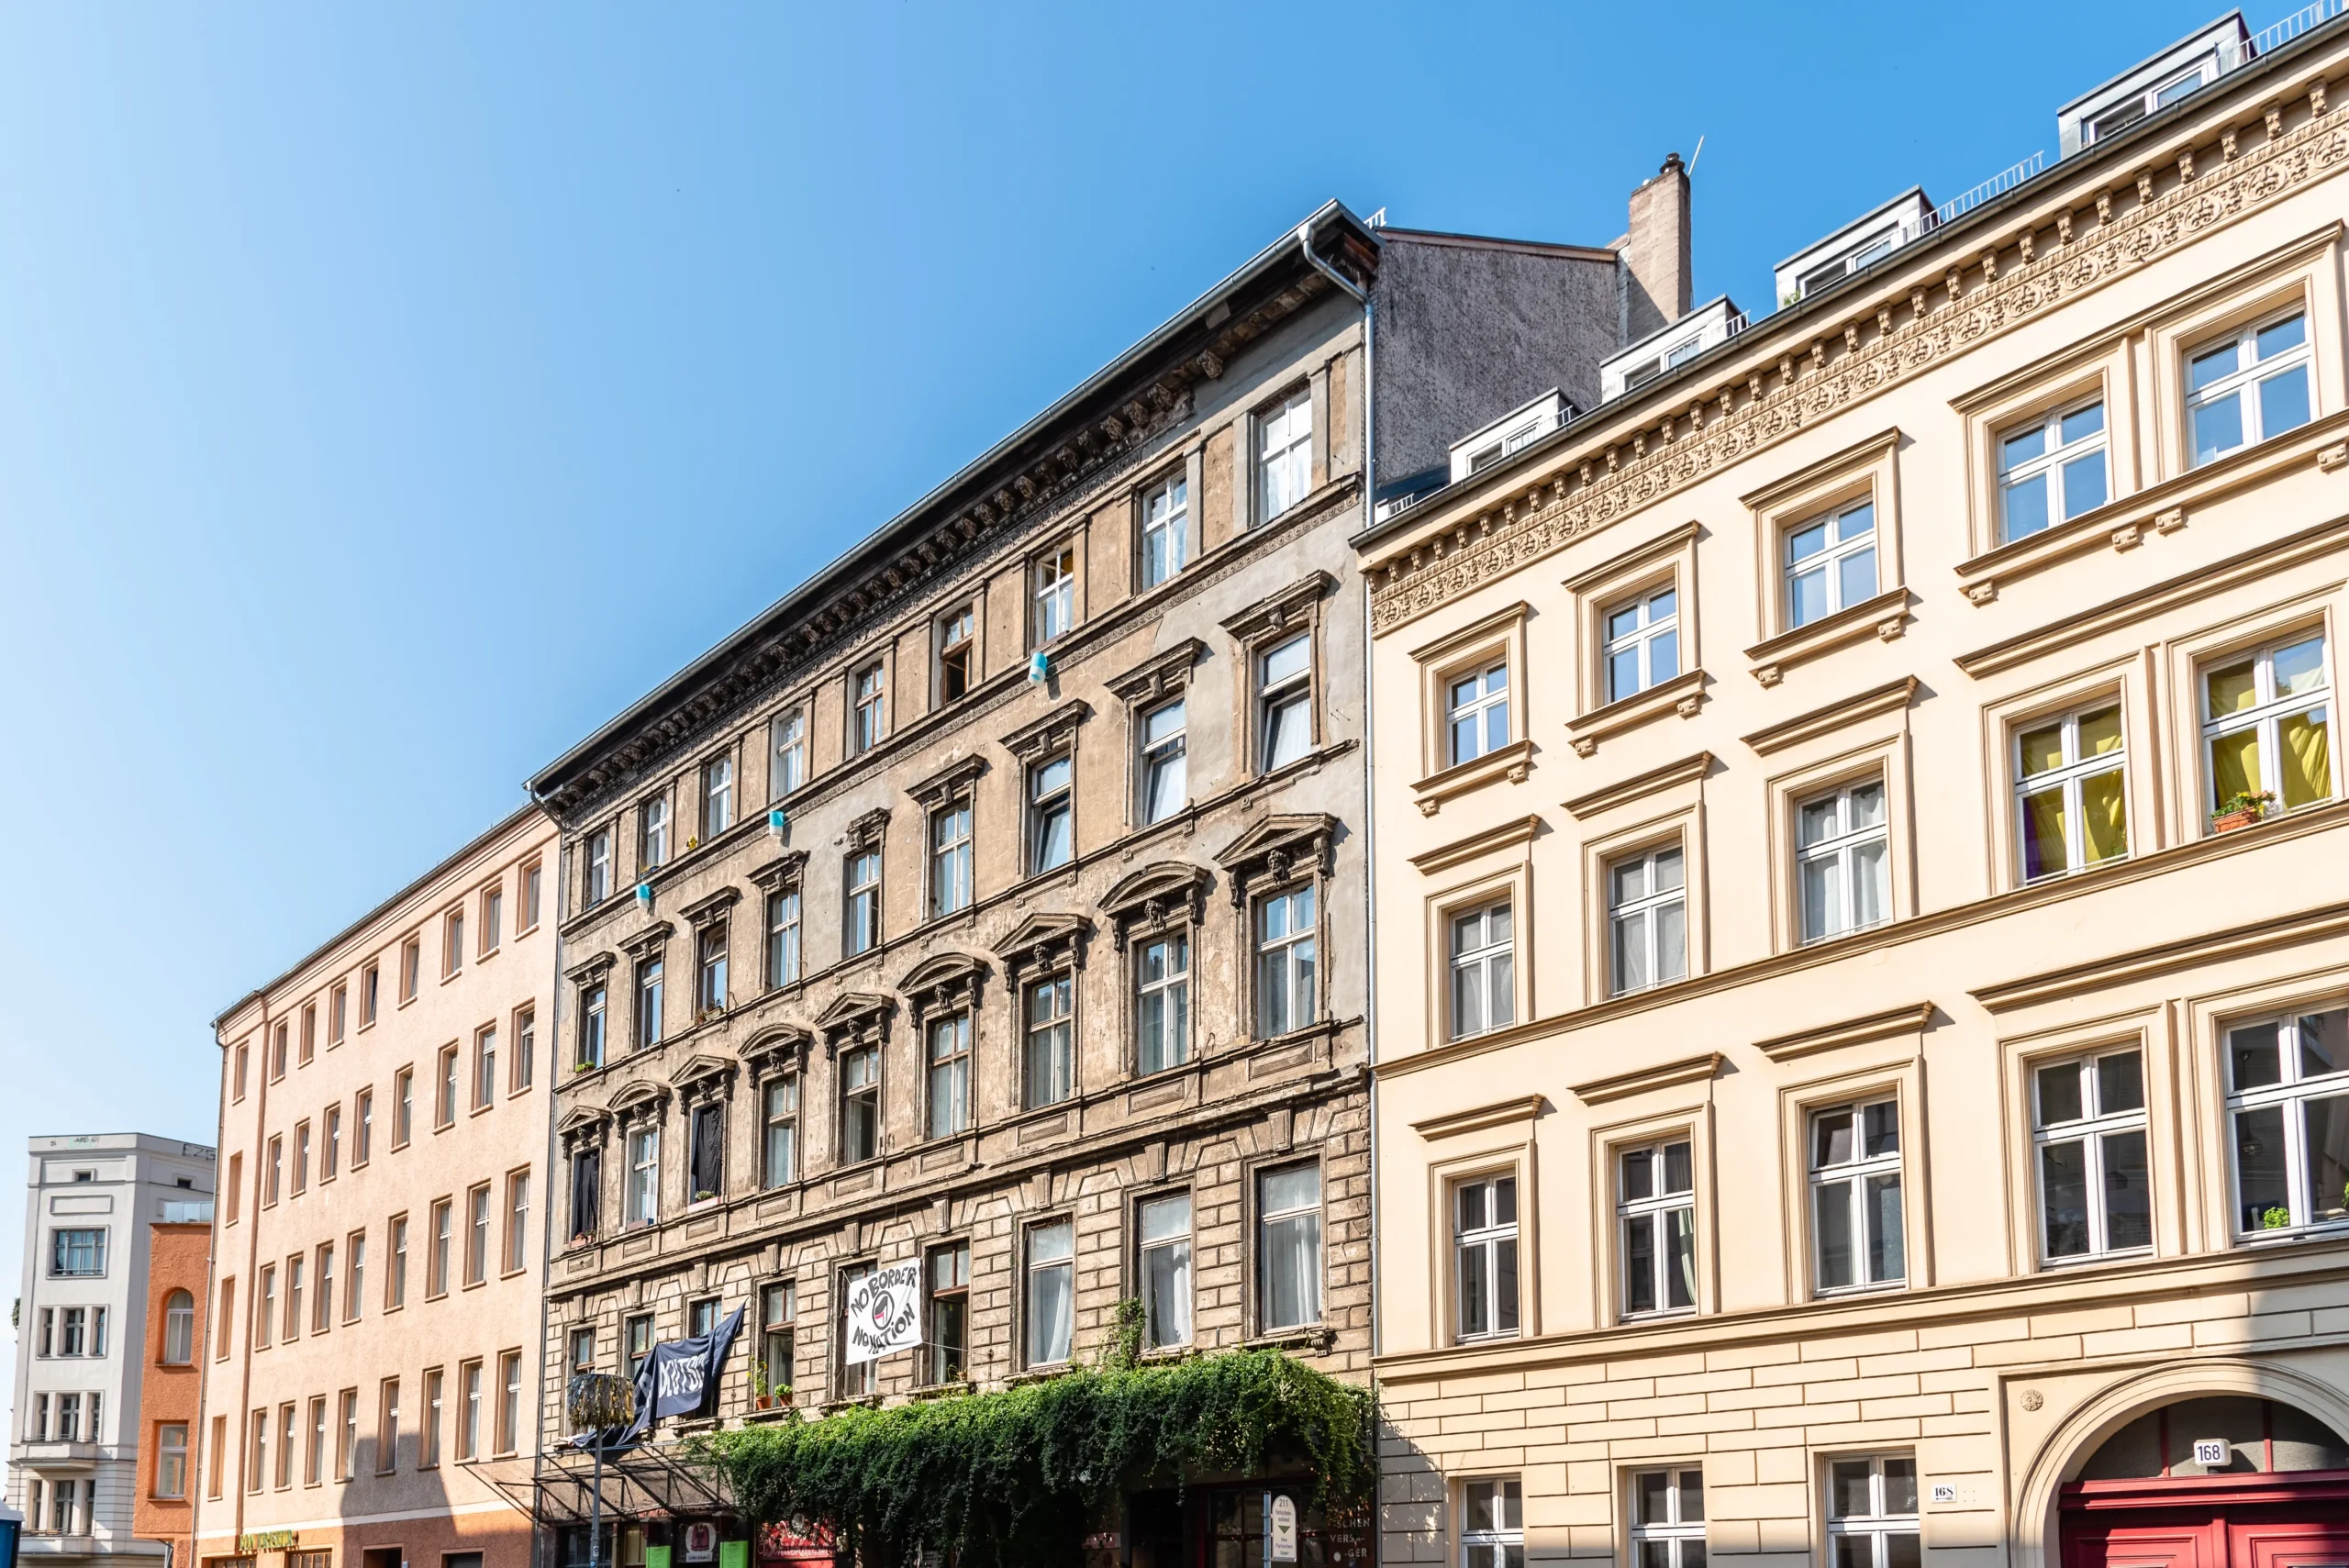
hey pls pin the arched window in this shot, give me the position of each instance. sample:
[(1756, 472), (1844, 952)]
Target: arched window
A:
[(2218, 1435), (179, 1329)]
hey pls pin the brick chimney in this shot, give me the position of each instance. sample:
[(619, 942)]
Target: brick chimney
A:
[(1653, 258)]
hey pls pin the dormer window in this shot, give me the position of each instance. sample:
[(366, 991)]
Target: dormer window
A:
[(2152, 101)]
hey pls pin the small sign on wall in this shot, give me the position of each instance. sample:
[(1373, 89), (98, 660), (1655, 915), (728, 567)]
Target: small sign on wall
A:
[(1944, 1492), (1284, 1529), (2212, 1451), (701, 1542)]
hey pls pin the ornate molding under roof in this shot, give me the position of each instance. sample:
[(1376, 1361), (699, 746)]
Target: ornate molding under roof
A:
[(1157, 675), (1055, 730)]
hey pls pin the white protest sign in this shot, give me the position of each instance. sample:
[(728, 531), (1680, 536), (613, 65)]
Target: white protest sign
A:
[(883, 1313)]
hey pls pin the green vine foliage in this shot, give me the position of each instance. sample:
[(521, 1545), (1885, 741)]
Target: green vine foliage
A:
[(1021, 1475)]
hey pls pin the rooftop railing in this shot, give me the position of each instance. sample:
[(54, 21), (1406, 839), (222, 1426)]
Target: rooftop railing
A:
[(2293, 25)]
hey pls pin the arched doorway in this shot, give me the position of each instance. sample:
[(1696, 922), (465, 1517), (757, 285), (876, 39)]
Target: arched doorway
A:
[(2216, 1482)]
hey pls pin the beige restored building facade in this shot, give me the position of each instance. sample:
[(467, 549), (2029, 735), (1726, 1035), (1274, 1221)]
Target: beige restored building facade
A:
[(1849, 1085), (377, 1251)]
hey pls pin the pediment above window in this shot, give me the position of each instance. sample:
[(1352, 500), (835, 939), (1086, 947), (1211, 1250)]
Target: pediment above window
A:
[(639, 1101), (583, 1124), (592, 970), (855, 1017), (1055, 731), (1044, 941), (948, 981), (702, 1074), (777, 1050), (649, 941), (1278, 849), (867, 829), (783, 870), (1290, 608), (953, 780), (1160, 676), (705, 911), (1161, 891)]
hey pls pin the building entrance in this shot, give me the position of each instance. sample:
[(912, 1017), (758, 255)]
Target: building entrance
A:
[(2226, 1482)]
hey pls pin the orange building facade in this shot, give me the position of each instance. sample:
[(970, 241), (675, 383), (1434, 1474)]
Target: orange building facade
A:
[(171, 1385)]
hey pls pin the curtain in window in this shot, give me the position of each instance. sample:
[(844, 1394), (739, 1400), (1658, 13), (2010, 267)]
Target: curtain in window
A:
[(2307, 761)]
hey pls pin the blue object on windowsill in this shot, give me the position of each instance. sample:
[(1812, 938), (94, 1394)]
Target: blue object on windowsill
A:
[(777, 823), (1039, 665), (644, 896)]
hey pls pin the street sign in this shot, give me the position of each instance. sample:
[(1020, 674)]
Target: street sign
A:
[(1284, 1529)]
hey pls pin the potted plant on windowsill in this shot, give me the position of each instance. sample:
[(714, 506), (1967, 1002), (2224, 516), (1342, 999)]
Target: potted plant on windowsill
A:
[(761, 1391), (2241, 810)]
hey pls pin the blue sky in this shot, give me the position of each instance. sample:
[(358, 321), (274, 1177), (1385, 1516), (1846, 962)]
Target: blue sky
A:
[(390, 395)]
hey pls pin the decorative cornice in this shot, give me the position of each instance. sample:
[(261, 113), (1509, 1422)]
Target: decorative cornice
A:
[(1887, 1025), (1451, 1124), (1480, 631), (2165, 958), (1889, 698), (1686, 770), (1505, 835), (1156, 676), (648, 941), (785, 1045), (867, 830), (1275, 846), (1513, 761), (702, 911), (698, 1067), (946, 980), (1043, 939), (1144, 895), (1885, 616), (1623, 1086), (954, 779), (1664, 546), (1683, 694), (1548, 510), (588, 971), (854, 1014), (1277, 612), (783, 869), (1055, 730)]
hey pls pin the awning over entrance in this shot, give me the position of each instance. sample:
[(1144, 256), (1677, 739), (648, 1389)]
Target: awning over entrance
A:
[(649, 1481)]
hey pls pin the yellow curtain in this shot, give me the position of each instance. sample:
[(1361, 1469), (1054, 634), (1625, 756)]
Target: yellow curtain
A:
[(2234, 766), (2104, 828), (2045, 833), (2307, 762)]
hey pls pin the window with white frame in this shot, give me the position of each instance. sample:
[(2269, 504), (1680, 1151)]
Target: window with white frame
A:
[(1047, 1060), (1482, 960), (2088, 1127), (1492, 1523), (2153, 100), (717, 795), (1640, 642), (862, 931), (1285, 701), (652, 832), (949, 1335), (1483, 1254), (1052, 807), (1285, 991), (1858, 1227), (1668, 1518), (2071, 794), (1289, 1247), (1872, 1512), (1165, 530), (1656, 1223), (1165, 762), (1647, 919), (956, 649), (868, 708), (643, 1175), (859, 1105), (598, 884), (948, 1107), (2287, 1112), (2052, 470), (1476, 718), (2266, 726), (649, 986), (1164, 1227), (788, 754), (1841, 860), (1161, 1002), (950, 858), (779, 1126), (782, 936), (1283, 454), (1053, 587), (2249, 386), (1830, 563), (1050, 1292), (591, 1044)]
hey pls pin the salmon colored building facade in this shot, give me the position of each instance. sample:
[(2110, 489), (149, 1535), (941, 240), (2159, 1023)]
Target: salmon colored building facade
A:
[(171, 1385)]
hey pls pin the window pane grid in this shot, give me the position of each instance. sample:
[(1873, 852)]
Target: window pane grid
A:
[(1642, 643), (1842, 842), (1831, 564), (1872, 1513), (1858, 1227), (2088, 1127), (1655, 1198), (2070, 793), (1647, 900), (1165, 532), (1482, 971), (1165, 759), (2248, 387), (2052, 470), (1485, 1253), (1668, 1518), (2288, 1112), (2266, 726), (1477, 716)]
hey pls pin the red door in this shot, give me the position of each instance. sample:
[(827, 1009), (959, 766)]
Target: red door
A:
[(2293, 1520)]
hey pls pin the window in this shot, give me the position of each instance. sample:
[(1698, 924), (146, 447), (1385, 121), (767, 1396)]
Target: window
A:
[(1856, 1223), (517, 1221), (265, 1307), (2070, 775), (74, 1339), (362, 1133), (1492, 1524), (652, 832), (599, 866), (1163, 1002), (643, 1176), (1641, 642), (1483, 1252), (863, 921), (1289, 1247), (1840, 858), (2153, 100), (222, 1343), (346, 1442), (1165, 530), (1054, 591), (591, 1024), (170, 1460), (469, 1410), (314, 1467), (215, 1462), (1051, 806), (509, 1400), (1283, 454), (309, 1032), (387, 1425), (1647, 919), (783, 937), (1165, 762), (72, 1253), (484, 1066), (277, 1052), (1872, 1513), (705, 1152), (2266, 726), (1163, 1226), (275, 1170), (301, 1158), (2251, 385), (477, 1233), (244, 1064), (288, 1439), (403, 1105), (1051, 1291), (1483, 982), (526, 918), (587, 1193), (436, 1267), (709, 968), (427, 1442), (788, 754), (354, 1289), (1047, 1064), (1284, 702), (779, 1114), (868, 709), (717, 795), (1477, 713), (526, 1046), (2288, 1102), (950, 858), (649, 972), (2088, 1124), (395, 1275), (444, 1101), (1831, 564), (949, 1333), (1285, 961), (2052, 470), (581, 1354), (371, 995), (1668, 1518), (779, 1321), (955, 648), (452, 956), (322, 1301), (1655, 1218), (949, 1098), (492, 917), (337, 1013), (859, 1105)]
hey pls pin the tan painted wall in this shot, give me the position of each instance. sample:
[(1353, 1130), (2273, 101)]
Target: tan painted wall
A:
[(1998, 1371)]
